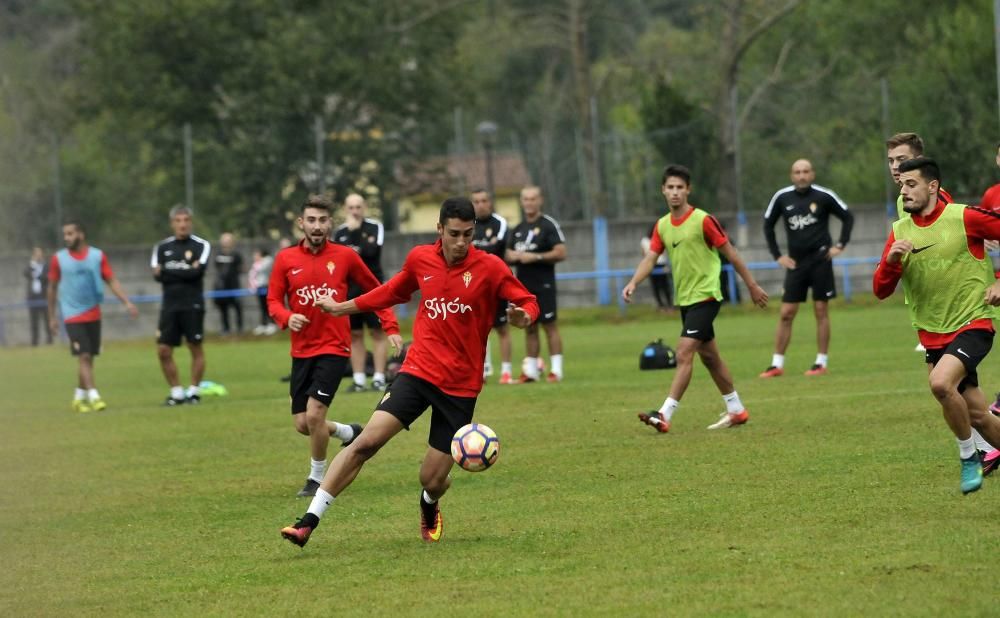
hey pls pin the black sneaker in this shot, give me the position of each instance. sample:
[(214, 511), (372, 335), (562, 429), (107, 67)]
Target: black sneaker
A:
[(193, 399), (309, 489), (378, 385), (170, 401), (356, 388), (357, 432)]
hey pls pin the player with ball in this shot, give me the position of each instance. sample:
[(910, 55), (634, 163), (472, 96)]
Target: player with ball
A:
[(460, 289)]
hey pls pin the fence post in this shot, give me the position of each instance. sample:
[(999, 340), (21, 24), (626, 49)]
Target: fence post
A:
[(601, 259), (847, 282)]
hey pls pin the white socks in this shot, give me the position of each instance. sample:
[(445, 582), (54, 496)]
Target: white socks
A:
[(557, 364), (506, 368), (821, 359), (344, 432), (981, 444), (966, 448), (378, 377), (317, 468), (93, 395), (177, 392), (359, 378), (530, 367), (79, 395), (778, 360), (320, 502), (668, 408), (193, 391), (733, 403)]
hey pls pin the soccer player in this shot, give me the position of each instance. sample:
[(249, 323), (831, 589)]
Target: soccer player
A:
[(228, 268), (903, 147), (76, 285), (321, 344), (694, 239), (179, 263), (460, 289), (535, 246), (938, 254), (805, 209), (491, 236), (365, 236)]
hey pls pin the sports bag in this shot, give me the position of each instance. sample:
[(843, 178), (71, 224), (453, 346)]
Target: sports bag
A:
[(657, 356)]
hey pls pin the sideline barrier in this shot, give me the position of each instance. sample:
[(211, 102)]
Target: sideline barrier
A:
[(618, 277)]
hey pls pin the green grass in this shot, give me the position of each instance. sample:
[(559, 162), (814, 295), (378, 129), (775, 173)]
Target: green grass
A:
[(839, 498)]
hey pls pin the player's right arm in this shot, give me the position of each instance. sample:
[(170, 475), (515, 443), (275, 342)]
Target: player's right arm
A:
[(277, 288), (890, 268), (771, 215), (645, 267)]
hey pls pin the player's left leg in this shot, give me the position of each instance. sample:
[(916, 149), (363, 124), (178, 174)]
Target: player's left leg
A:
[(197, 371), (821, 309), (976, 401), (506, 351), (554, 340), (944, 380), (435, 480), (660, 419), (736, 413), (342, 471), (358, 356), (380, 356)]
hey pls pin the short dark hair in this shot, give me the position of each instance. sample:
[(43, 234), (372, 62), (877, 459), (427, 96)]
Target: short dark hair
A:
[(928, 168), (678, 171), (912, 140), (317, 201), (457, 208), (75, 223), (479, 190)]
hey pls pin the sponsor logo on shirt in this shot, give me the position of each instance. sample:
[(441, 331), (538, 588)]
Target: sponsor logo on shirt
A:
[(308, 295), (798, 222), (441, 307)]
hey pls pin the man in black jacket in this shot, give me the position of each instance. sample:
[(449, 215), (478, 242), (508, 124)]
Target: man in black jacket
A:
[(179, 263), (805, 209)]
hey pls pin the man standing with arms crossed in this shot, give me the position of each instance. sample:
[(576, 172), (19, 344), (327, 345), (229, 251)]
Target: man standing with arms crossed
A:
[(303, 274), (366, 236), (491, 236), (938, 252), (460, 288), (179, 263), (76, 283), (805, 209), (534, 247), (694, 240)]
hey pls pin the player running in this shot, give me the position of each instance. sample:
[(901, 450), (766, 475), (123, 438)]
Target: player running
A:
[(805, 209), (302, 274), (694, 239), (460, 288), (938, 254)]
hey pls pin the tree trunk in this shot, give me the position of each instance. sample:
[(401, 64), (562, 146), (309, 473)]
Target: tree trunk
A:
[(584, 94)]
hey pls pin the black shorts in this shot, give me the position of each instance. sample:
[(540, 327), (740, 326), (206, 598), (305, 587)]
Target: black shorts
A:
[(84, 337), (501, 317), (360, 320), (696, 320), (407, 398), (815, 273), (970, 347), (545, 293), (317, 377), (189, 323)]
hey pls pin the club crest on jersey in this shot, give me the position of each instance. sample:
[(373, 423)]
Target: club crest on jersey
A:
[(330, 266), (812, 207), (188, 255), (536, 231), (489, 232), (466, 277)]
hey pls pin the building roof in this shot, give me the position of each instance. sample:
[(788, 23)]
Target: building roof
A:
[(446, 175)]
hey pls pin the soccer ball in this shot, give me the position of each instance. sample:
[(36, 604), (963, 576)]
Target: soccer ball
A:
[(475, 447)]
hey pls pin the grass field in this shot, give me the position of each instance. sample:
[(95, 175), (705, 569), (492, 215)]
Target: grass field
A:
[(840, 497)]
